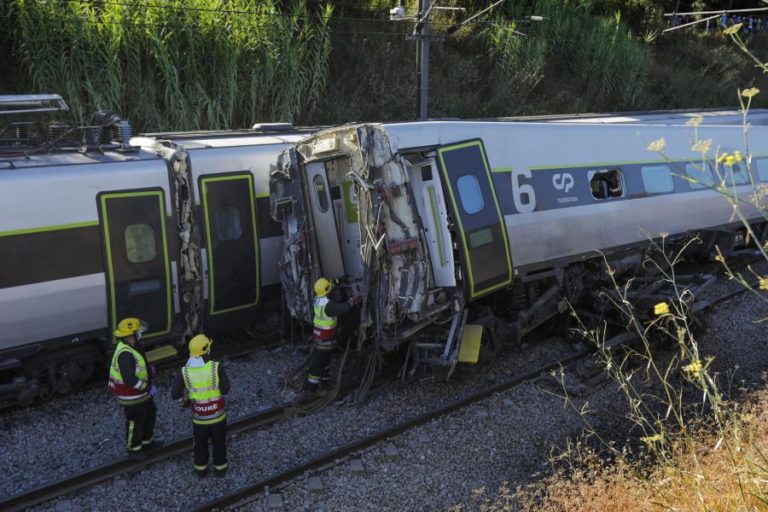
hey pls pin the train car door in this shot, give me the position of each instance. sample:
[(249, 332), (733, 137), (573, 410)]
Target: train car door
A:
[(135, 242), (430, 201), (232, 246), (467, 181), (326, 230)]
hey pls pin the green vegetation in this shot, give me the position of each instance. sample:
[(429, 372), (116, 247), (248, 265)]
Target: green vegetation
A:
[(227, 63), (178, 64)]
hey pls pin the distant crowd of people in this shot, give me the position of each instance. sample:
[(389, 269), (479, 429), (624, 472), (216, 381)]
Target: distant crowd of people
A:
[(750, 24)]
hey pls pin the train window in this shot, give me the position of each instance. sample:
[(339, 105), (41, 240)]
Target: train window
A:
[(144, 286), (657, 179), (480, 237), (735, 174), (470, 193), (701, 173), (606, 184), (140, 243), (228, 223), (321, 192), (762, 168)]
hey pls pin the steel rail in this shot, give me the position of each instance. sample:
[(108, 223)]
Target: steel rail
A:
[(52, 490), (259, 419), (243, 494), (55, 489), (249, 490)]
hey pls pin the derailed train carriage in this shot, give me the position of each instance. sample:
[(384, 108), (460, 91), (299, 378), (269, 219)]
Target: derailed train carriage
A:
[(97, 225), (466, 233)]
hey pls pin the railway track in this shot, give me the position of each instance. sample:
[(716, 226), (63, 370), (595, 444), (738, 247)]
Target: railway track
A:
[(93, 476), (245, 493)]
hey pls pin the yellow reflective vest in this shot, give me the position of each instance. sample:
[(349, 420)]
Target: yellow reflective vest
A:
[(128, 395), (202, 383)]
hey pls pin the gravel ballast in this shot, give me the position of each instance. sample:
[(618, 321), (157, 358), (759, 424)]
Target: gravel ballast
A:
[(506, 438), (506, 441), (70, 434)]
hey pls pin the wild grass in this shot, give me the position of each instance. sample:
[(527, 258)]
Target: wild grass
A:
[(177, 64), (607, 62)]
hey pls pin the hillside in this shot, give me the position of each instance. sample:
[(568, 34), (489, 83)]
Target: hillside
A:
[(213, 63)]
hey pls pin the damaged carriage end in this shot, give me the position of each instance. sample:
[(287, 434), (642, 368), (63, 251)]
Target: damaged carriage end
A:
[(286, 201), (348, 213)]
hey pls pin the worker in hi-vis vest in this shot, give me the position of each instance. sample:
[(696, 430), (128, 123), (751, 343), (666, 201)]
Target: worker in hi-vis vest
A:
[(201, 384), (130, 379), (326, 310)]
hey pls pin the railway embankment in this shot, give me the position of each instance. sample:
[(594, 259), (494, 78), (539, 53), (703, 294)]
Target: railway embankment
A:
[(464, 460)]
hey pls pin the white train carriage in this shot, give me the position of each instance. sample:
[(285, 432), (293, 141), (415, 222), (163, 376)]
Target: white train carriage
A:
[(425, 218), (172, 228)]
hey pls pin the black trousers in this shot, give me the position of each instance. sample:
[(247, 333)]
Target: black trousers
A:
[(217, 434), (318, 364), (140, 424)]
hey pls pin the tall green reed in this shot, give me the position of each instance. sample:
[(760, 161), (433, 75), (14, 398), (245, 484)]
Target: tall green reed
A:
[(192, 64)]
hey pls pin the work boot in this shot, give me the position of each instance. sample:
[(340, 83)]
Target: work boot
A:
[(154, 445), (310, 394), (136, 456)]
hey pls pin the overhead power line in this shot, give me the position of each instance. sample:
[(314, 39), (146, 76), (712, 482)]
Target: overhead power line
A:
[(724, 11)]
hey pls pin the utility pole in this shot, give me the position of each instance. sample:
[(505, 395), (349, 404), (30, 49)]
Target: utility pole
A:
[(421, 33)]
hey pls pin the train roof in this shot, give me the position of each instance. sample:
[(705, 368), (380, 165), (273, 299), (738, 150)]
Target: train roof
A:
[(756, 117), (259, 134), (11, 160), (713, 116)]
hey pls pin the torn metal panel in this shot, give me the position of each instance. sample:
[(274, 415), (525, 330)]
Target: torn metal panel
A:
[(287, 206), (387, 260), (190, 277)]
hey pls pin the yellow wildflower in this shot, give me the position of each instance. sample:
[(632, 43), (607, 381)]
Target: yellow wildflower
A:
[(721, 158), (733, 29), (660, 309), (702, 146), (656, 438), (763, 283), (657, 145), (694, 368), (729, 160), (695, 121), (737, 156), (719, 258), (751, 92)]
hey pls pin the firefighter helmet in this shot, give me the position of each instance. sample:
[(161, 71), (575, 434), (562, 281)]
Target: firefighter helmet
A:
[(322, 287), (129, 326), (200, 345)]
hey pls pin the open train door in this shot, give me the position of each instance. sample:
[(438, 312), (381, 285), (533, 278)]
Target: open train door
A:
[(135, 243), (324, 220), (485, 249), (231, 242)]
